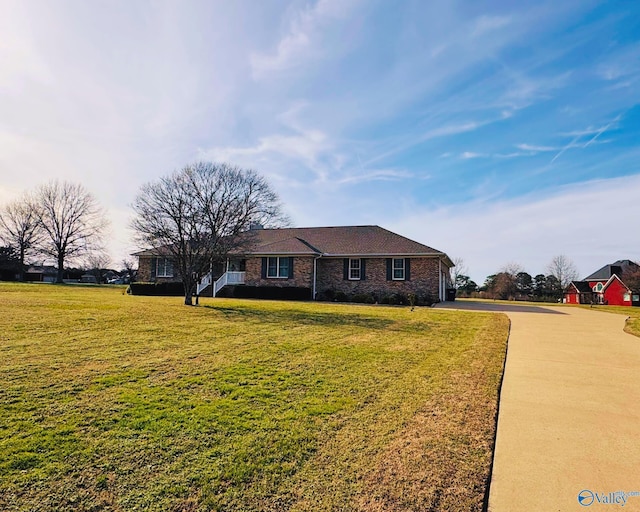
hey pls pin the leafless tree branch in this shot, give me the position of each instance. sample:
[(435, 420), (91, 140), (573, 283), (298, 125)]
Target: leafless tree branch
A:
[(197, 213), (20, 229), (563, 269), (71, 221)]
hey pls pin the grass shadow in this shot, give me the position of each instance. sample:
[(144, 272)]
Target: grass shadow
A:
[(295, 316)]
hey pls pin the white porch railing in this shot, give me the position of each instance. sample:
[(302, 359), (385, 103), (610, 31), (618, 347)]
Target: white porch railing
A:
[(228, 278), (204, 282)]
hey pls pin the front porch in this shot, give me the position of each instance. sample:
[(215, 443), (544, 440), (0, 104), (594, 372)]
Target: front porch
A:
[(234, 274)]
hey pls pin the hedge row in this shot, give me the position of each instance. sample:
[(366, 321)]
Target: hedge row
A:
[(378, 298), (159, 289), (267, 292), (287, 293)]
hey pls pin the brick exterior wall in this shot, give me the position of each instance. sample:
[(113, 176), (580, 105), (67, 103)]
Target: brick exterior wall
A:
[(144, 269), (302, 274), (144, 272), (423, 281)]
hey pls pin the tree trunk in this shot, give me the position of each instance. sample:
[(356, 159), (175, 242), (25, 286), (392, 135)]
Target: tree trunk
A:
[(60, 269), (188, 292), (21, 272)]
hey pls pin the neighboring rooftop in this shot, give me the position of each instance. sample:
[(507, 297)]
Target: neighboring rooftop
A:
[(581, 286), (618, 268)]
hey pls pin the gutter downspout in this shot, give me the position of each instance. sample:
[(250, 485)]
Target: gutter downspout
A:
[(440, 279), (315, 272)]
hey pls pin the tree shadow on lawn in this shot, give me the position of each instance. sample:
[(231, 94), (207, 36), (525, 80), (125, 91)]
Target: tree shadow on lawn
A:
[(294, 316)]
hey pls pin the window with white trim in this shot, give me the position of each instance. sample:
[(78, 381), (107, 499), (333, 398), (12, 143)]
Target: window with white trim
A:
[(355, 269), (164, 267), (277, 267), (398, 269)]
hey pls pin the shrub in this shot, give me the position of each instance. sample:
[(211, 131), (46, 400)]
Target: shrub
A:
[(272, 292), (363, 298), (341, 297), (158, 289), (226, 292), (425, 300), (329, 294)]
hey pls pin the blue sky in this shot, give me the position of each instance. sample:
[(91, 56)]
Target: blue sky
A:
[(497, 132)]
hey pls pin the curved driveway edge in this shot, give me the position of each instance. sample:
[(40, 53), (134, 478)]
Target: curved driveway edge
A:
[(568, 435)]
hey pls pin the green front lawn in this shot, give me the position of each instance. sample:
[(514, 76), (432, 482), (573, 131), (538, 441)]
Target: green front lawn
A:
[(114, 402)]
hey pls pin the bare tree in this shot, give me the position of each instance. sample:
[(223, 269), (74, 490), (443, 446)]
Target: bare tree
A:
[(197, 213), (96, 263), (71, 221), (458, 271), (632, 277), (504, 284), (19, 228), (563, 269), (129, 268), (512, 268)]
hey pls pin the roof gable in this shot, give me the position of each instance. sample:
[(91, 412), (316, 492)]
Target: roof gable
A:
[(611, 280), (579, 286)]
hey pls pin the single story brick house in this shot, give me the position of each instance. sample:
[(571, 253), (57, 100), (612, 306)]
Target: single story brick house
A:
[(605, 286), (324, 260)]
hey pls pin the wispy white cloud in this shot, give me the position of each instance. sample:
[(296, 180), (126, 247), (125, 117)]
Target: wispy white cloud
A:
[(525, 150), (305, 146), (602, 130), (445, 130), (534, 148), (558, 221), (375, 175), (621, 62), (302, 40), (596, 133), (514, 154), (453, 129), (467, 155), (486, 24)]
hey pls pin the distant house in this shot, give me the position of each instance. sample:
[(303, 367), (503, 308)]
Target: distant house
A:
[(88, 278), (49, 274), (605, 286), (325, 261), (41, 274)]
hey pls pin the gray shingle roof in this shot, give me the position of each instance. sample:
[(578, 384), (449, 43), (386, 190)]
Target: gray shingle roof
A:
[(328, 241), (618, 268), (582, 286), (340, 241)]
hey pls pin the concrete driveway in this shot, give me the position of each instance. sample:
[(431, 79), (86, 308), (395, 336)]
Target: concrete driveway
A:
[(569, 422)]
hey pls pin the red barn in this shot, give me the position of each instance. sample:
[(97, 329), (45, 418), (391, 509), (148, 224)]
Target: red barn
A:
[(605, 286)]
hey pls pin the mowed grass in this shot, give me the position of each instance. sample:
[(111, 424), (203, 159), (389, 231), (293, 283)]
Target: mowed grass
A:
[(114, 402), (633, 313)]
